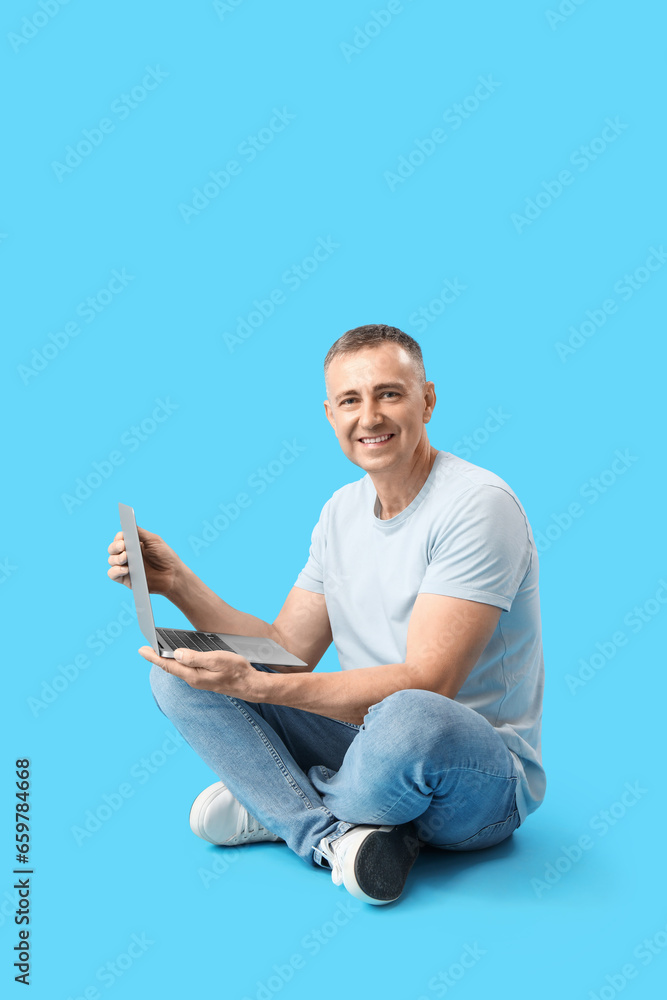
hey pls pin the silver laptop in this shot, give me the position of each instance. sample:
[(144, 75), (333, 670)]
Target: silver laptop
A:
[(165, 640)]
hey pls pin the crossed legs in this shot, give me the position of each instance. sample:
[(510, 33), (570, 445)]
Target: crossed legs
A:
[(418, 756)]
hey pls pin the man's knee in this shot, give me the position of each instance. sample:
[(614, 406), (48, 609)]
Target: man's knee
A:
[(412, 703), (167, 689), (422, 717)]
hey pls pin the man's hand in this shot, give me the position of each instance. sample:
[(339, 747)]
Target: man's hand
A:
[(446, 636), (161, 564), (224, 673)]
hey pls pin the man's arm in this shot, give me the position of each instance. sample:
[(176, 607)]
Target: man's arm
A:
[(446, 636), (302, 626), (208, 612)]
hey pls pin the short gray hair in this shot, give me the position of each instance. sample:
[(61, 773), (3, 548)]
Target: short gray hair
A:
[(372, 336)]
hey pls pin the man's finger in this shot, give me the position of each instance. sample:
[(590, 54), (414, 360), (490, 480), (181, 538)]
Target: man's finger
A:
[(188, 657), (214, 659), (149, 653), (117, 571), (191, 657), (168, 665)]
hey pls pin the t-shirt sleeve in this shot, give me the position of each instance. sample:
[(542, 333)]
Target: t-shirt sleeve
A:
[(311, 576), (482, 549)]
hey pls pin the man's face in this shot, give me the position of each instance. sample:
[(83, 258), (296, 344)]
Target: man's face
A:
[(373, 393)]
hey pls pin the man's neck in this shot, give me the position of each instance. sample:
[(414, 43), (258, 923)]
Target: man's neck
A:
[(397, 490)]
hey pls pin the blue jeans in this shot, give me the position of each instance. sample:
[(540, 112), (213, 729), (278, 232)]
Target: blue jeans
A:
[(418, 756)]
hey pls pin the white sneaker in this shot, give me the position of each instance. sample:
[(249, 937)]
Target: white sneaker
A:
[(219, 818), (372, 862)]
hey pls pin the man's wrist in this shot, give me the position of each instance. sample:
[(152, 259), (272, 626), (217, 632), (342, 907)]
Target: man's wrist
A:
[(258, 686), (303, 690), (181, 586)]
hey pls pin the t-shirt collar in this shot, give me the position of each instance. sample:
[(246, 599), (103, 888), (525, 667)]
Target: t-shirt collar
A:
[(403, 515)]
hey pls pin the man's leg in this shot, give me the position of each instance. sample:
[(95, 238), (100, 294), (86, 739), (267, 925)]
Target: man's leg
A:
[(261, 752), (425, 758)]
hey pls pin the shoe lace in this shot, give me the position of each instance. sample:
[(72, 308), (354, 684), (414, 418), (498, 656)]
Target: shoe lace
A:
[(336, 873), (335, 859), (248, 826)]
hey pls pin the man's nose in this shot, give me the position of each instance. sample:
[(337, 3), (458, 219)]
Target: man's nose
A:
[(371, 414)]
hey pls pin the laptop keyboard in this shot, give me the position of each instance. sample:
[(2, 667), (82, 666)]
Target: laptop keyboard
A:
[(204, 642)]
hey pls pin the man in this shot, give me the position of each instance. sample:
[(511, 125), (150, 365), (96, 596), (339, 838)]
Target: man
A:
[(425, 574)]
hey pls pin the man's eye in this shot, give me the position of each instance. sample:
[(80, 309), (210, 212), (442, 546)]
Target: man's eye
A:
[(352, 399)]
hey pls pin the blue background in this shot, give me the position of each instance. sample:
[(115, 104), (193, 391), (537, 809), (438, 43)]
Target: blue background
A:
[(459, 214)]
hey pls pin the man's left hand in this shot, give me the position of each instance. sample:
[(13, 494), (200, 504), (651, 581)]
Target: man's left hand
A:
[(225, 673)]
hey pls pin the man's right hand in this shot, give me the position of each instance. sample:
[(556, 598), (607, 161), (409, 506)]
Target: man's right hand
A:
[(161, 563)]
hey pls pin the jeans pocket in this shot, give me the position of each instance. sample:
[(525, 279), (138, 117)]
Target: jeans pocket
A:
[(350, 725)]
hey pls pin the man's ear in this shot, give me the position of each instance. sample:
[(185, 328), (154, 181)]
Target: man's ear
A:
[(430, 387), (329, 413)]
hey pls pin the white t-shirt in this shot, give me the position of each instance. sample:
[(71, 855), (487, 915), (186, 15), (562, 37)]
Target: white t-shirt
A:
[(464, 535)]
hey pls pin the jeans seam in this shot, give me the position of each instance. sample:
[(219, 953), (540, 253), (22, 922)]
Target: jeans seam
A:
[(409, 791), (288, 776), (478, 770), (489, 826)]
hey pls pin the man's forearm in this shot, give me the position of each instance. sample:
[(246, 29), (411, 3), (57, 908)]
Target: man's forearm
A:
[(209, 613), (344, 695)]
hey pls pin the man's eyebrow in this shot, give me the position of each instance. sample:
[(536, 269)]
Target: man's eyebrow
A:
[(376, 388)]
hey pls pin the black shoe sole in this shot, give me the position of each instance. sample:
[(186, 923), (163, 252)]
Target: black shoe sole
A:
[(384, 860)]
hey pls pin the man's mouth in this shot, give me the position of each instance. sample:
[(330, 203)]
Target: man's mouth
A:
[(375, 442)]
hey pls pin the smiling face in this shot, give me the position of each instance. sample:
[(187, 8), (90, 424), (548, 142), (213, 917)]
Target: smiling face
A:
[(378, 407)]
